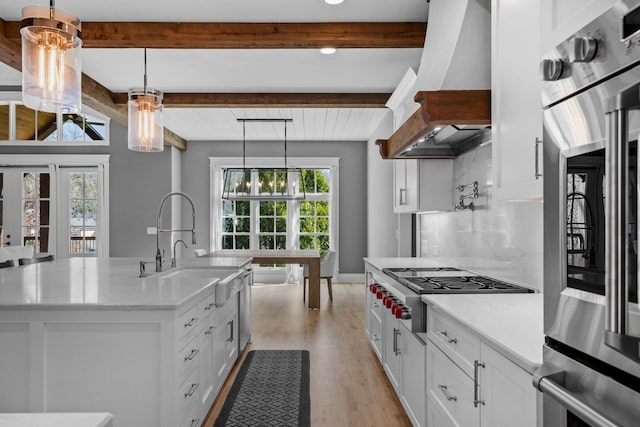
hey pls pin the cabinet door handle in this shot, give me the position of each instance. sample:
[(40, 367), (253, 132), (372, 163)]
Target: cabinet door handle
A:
[(192, 390), (402, 200), (445, 335), (476, 386), (375, 337), (230, 323), (191, 322), (209, 331), (191, 355), (538, 175), (396, 347), (449, 396)]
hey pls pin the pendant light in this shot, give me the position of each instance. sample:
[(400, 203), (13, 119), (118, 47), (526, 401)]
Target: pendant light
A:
[(51, 72), (277, 183), (146, 131)]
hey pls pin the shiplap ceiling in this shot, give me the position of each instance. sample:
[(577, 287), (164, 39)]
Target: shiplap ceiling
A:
[(300, 70)]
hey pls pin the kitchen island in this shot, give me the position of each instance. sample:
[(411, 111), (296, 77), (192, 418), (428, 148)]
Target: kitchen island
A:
[(89, 335)]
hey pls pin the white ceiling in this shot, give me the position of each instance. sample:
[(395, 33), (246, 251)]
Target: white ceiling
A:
[(247, 70)]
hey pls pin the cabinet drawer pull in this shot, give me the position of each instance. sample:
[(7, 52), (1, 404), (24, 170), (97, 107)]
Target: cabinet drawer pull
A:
[(537, 174), (209, 307), (376, 304), (375, 337), (194, 422), (192, 390), (402, 199), (191, 355), (445, 391), (191, 322), (445, 335), (476, 386), (209, 331), (230, 323)]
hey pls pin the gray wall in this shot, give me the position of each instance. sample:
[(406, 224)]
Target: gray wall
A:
[(353, 187), (138, 183)]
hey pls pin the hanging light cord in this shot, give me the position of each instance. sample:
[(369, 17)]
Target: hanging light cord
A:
[(52, 5), (285, 144), (145, 71), (243, 143)]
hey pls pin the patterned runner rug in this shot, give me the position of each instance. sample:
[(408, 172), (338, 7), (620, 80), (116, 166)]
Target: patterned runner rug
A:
[(271, 389)]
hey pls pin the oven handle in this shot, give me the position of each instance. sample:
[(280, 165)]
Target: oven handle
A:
[(551, 383), (616, 217)]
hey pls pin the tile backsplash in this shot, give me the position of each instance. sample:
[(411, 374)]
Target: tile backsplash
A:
[(498, 239)]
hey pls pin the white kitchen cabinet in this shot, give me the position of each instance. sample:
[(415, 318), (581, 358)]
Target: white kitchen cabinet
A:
[(422, 185), (391, 356), (225, 341), (516, 111), (206, 344), (472, 384), (373, 318), (509, 399), (562, 18), (413, 352)]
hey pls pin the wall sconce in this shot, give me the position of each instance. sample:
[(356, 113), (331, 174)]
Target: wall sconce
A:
[(146, 131), (51, 72)]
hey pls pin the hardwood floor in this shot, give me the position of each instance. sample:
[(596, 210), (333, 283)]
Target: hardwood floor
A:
[(348, 384)]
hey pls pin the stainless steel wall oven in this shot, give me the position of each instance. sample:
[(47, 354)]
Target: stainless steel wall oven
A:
[(591, 105)]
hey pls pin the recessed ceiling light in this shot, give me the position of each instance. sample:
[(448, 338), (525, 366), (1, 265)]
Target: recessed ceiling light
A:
[(333, 1), (328, 50)]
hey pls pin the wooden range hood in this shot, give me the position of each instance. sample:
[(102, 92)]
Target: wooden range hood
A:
[(466, 114)]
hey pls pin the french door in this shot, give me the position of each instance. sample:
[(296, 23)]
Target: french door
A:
[(25, 206)]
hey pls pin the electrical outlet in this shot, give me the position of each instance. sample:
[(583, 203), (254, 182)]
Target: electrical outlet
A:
[(152, 230)]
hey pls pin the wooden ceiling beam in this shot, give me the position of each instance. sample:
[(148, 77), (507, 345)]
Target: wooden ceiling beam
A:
[(268, 100), (238, 35)]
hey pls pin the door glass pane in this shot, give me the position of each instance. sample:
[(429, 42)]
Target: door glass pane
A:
[(35, 210), (83, 212)]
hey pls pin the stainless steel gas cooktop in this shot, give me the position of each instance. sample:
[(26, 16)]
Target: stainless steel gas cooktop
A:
[(449, 280)]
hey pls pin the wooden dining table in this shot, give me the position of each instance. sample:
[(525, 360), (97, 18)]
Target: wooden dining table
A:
[(281, 256)]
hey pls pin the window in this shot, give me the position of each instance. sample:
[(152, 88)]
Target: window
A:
[(277, 224), (20, 125), (236, 224), (83, 212)]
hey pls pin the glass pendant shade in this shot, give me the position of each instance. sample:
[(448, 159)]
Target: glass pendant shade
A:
[(51, 66), (146, 130)]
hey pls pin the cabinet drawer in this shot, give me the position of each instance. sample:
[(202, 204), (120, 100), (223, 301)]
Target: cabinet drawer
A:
[(187, 358), (191, 417), (455, 339), (222, 313), (376, 308), (186, 323), (206, 306), (188, 393), (450, 388)]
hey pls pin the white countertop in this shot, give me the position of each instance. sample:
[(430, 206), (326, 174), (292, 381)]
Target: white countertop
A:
[(56, 420), (510, 323), (108, 283)]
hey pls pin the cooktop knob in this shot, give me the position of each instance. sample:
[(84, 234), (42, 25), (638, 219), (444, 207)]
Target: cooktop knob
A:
[(582, 49), (551, 69)]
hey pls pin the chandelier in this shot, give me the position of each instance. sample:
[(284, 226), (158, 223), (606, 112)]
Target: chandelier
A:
[(261, 183), (51, 74), (146, 132)]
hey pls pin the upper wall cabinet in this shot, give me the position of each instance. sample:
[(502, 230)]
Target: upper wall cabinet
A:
[(562, 18), (515, 104)]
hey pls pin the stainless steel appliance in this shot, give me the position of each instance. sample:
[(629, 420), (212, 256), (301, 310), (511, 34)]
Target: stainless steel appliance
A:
[(450, 280), (591, 104)]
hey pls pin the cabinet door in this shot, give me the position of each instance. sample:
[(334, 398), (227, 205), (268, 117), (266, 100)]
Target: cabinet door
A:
[(406, 186), (509, 399), (414, 388), (218, 360), (391, 348), (516, 102), (207, 375)]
